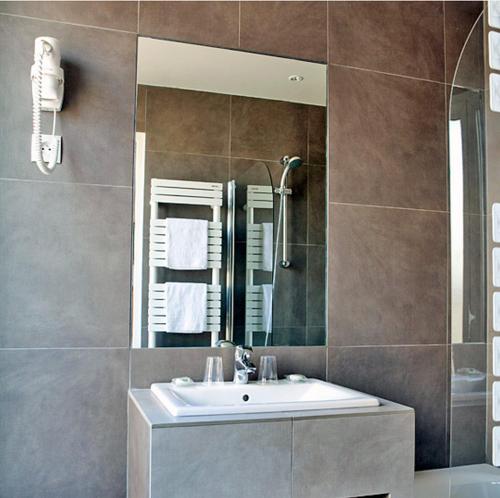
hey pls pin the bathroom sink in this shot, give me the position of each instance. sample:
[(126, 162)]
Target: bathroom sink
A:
[(227, 398)]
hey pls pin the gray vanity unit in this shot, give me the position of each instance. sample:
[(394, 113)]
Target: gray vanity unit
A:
[(343, 453)]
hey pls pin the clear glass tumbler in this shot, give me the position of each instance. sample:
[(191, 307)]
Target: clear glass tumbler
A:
[(268, 371), (214, 371)]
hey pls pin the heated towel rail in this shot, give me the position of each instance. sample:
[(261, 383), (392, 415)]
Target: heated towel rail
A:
[(194, 194)]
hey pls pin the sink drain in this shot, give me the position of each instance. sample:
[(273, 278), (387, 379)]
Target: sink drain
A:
[(246, 397)]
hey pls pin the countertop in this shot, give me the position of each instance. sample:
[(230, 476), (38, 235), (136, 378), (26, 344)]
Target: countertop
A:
[(157, 416)]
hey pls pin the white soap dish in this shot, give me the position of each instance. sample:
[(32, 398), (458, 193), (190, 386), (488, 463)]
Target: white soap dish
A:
[(295, 378), (183, 381)]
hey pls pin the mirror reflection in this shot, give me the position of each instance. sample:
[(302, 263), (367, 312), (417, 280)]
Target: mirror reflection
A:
[(230, 201)]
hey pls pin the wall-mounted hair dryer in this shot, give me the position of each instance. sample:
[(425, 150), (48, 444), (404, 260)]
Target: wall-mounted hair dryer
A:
[(48, 89)]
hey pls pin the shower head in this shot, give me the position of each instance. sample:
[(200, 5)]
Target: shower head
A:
[(289, 163)]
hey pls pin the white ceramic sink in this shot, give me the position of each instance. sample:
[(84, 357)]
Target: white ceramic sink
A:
[(219, 399)]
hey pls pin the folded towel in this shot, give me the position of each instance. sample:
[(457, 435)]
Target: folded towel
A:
[(267, 308), (267, 246), (186, 307), (187, 244)]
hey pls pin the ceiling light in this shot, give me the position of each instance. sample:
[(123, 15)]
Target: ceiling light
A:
[(295, 77)]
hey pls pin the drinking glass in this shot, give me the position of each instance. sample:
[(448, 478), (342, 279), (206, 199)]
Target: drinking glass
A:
[(268, 372), (214, 372)]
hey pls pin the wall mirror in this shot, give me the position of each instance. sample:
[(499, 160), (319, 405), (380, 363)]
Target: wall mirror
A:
[(229, 198)]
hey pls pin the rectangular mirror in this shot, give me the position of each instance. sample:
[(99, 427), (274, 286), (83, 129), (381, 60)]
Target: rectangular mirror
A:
[(230, 201)]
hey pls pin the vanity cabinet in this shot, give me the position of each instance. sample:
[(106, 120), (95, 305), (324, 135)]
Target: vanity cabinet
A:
[(322, 454)]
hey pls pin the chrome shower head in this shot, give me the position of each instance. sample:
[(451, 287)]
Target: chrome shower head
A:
[(289, 163)]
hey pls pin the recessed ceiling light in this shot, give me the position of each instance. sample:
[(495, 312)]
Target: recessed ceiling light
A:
[(295, 77)]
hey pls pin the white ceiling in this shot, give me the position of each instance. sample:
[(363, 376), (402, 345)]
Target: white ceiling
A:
[(194, 67)]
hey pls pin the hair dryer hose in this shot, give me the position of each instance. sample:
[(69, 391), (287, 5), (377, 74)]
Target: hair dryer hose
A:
[(45, 168)]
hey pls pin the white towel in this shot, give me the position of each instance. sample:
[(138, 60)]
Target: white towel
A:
[(186, 307), (267, 308), (267, 246), (187, 244)]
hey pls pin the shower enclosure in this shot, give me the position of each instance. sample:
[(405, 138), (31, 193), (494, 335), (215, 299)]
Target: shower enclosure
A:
[(473, 188)]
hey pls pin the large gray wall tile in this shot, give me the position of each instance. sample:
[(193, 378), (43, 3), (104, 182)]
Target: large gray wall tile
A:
[(207, 23), (222, 461), (387, 280), (290, 291), (187, 121), (97, 119), (65, 265), (115, 15), (263, 129), (316, 282), (353, 456), (64, 423), (459, 20), (317, 134), (387, 140), (291, 29), (416, 376), (394, 37), (316, 209)]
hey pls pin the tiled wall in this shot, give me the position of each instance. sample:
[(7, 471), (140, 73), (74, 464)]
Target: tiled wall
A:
[(203, 136), (388, 320), (65, 262), (64, 320)]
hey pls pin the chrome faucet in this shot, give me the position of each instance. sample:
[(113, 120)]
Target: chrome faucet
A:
[(242, 364)]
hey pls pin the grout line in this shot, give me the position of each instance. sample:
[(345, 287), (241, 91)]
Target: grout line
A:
[(328, 178), (27, 180), (222, 156), (67, 23), (71, 348), (386, 207), (433, 345), (387, 74)]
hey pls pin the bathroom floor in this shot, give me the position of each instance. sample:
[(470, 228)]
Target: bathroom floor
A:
[(471, 481)]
